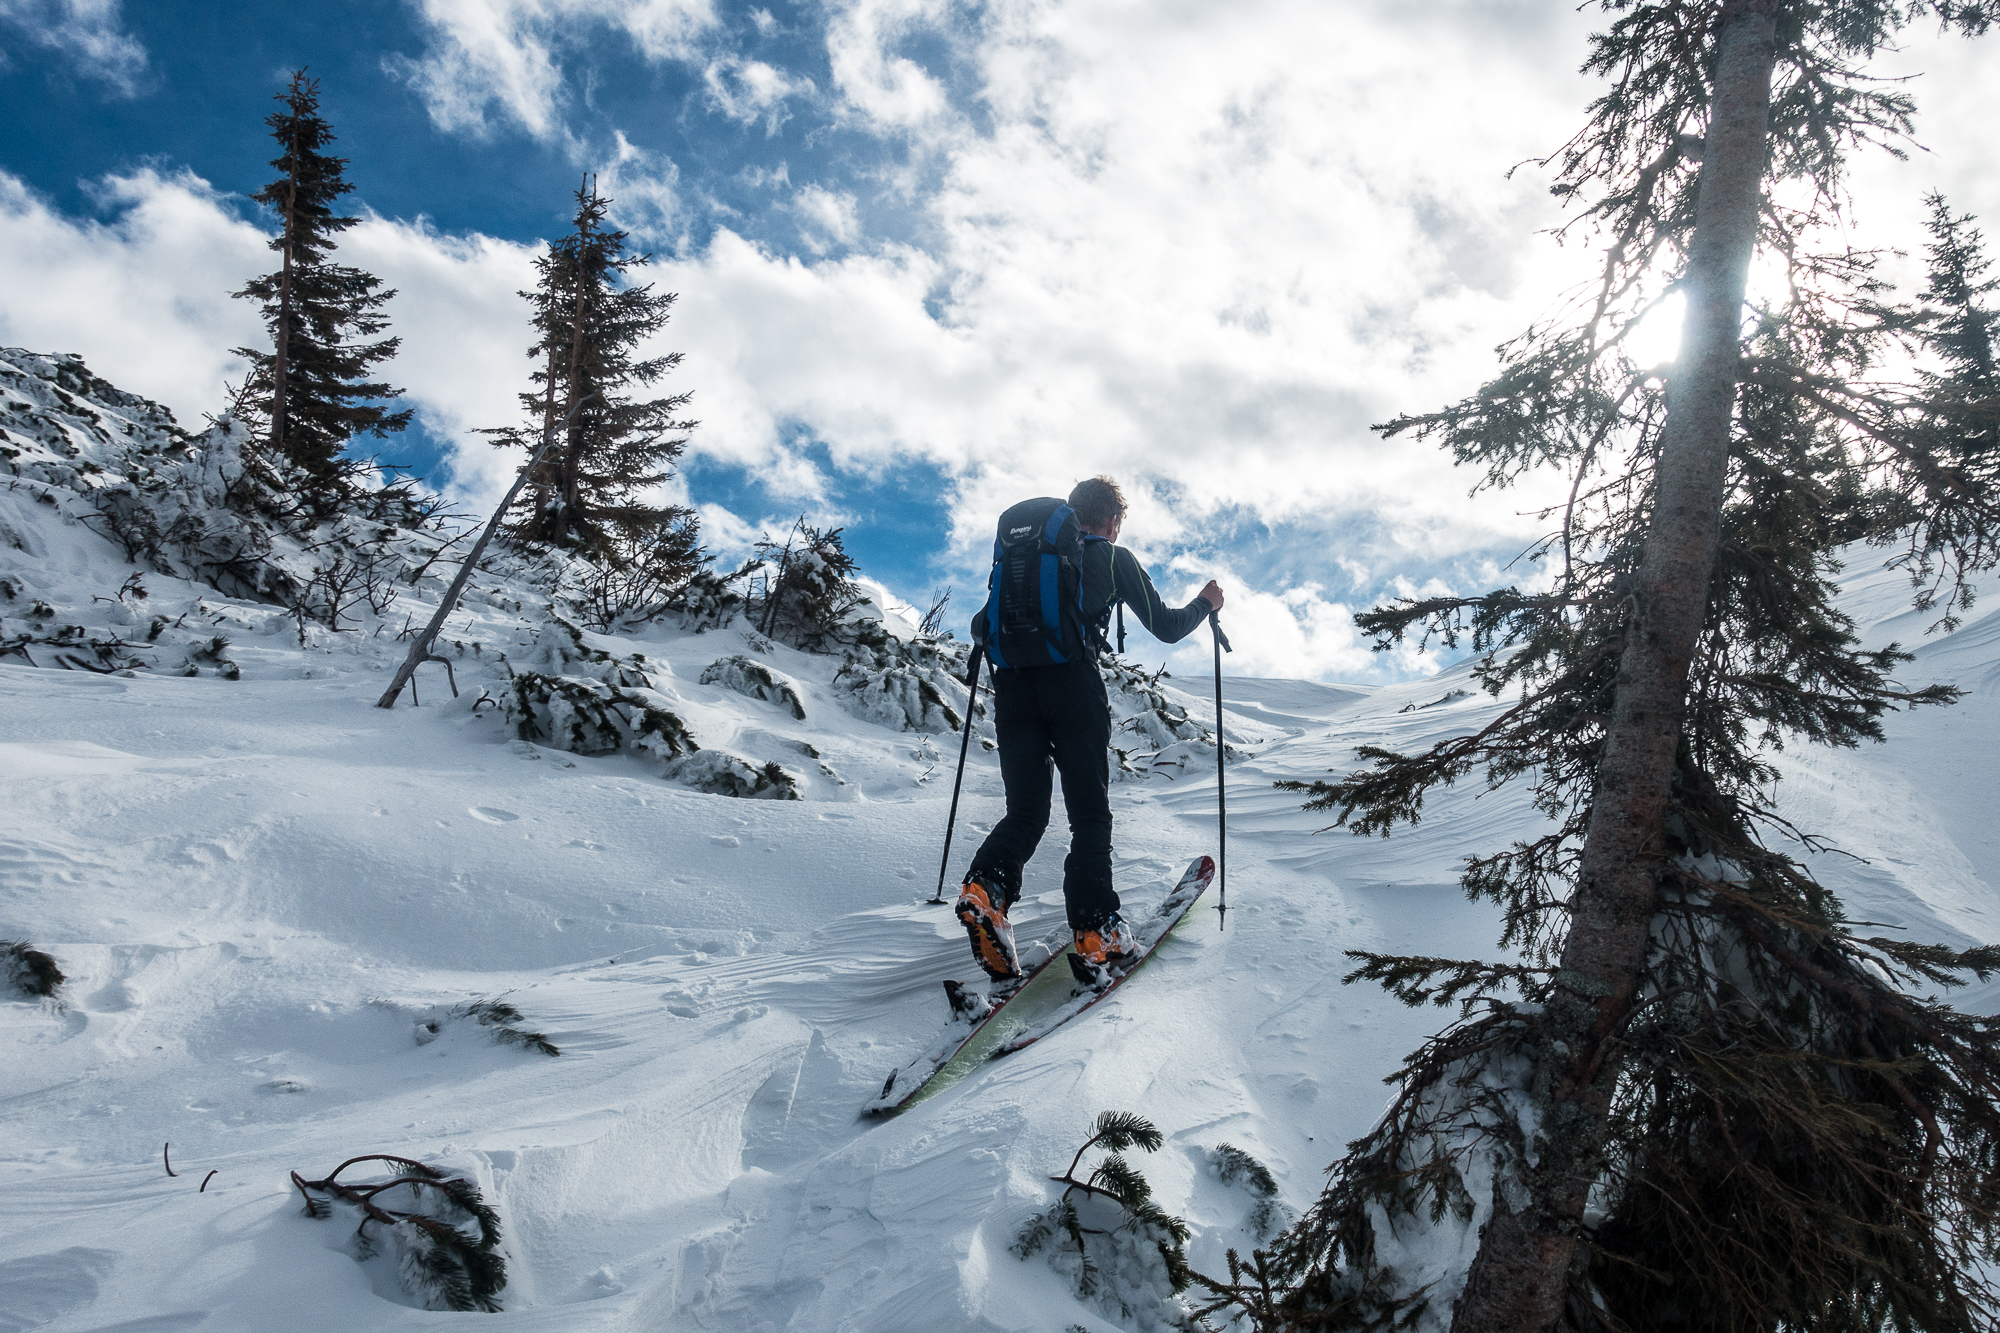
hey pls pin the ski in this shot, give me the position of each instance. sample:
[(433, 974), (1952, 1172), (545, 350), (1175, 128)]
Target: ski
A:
[(1173, 910), (968, 1010), (1046, 998)]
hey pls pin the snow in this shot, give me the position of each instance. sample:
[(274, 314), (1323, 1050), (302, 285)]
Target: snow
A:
[(263, 889)]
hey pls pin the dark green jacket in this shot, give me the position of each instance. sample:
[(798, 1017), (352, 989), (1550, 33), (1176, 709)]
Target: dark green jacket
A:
[(1111, 574)]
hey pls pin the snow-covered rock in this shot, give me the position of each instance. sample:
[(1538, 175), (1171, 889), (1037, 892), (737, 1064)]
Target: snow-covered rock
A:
[(591, 717), (759, 680), (911, 685), (731, 775)]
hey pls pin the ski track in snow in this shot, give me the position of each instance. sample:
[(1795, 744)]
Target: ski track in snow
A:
[(259, 889)]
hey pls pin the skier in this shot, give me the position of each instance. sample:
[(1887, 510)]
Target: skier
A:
[(1056, 716)]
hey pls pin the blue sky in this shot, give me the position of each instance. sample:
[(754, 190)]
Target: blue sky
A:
[(932, 257)]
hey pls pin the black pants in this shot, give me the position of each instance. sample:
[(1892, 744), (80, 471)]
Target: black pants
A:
[(1054, 717)]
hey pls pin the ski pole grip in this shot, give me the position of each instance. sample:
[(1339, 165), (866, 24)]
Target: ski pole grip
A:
[(1215, 623), (972, 666)]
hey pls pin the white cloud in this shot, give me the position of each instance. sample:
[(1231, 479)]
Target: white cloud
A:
[(89, 33), (1297, 632), (829, 217), (877, 85), (750, 90), (726, 534), (644, 188), (465, 337), (1182, 253), (760, 178), (488, 56), (143, 297)]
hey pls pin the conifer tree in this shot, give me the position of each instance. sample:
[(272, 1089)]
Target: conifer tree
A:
[(311, 386), (586, 493), (1707, 1101)]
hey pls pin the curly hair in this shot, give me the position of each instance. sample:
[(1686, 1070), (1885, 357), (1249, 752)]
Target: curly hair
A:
[(1097, 500)]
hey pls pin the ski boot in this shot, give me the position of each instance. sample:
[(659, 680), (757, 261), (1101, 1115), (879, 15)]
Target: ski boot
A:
[(1102, 953), (983, 909)]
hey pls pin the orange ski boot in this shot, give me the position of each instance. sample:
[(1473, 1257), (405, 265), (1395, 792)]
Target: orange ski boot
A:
[(984, 913), (1104, 952)]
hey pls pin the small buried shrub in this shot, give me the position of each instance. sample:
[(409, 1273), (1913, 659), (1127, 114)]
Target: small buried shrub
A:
[(709, 600), (442, 1233), (903, 685), (500, 1017), (723, 774), (1151, 732), (1234, 1166), (214, 651), (808, 589), (1109, 1235), (505, 1022), (27, 969)]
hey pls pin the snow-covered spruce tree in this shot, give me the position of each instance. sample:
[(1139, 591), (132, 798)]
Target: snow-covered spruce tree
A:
[(310, 390), (808, 587), (1703, 1101), (585, 496)]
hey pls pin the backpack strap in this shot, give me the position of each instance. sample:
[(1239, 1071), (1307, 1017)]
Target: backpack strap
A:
[(993, 609)]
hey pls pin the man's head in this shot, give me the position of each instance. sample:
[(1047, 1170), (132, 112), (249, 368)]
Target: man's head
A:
[(1099, 506)]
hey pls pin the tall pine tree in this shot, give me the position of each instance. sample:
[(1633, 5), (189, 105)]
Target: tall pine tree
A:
[(1703, 1099), (310, 387), (587, 493)]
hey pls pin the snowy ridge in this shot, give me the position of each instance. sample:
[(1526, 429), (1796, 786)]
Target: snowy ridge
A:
[(263, 888)]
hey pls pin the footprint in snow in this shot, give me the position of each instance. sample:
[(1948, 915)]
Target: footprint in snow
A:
[(726, 840), (492, 814)]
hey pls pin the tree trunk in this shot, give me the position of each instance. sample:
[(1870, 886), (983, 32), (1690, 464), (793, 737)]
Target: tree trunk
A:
[(420, 648), (1519, 1277), (279, 361), (564, 528)]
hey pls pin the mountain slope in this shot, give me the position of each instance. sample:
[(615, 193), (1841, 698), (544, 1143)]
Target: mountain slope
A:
[(266, 892)]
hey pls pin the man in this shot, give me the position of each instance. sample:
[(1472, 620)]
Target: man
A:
[(1058, 716)]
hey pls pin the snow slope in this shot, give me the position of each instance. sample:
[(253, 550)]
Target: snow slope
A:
[(263, 888)]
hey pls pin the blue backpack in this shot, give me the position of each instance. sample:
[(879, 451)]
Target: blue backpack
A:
[(1034, 595)]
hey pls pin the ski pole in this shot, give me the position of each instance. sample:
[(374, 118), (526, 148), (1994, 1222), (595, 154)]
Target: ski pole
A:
[(965, 744), (1221, 807)]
